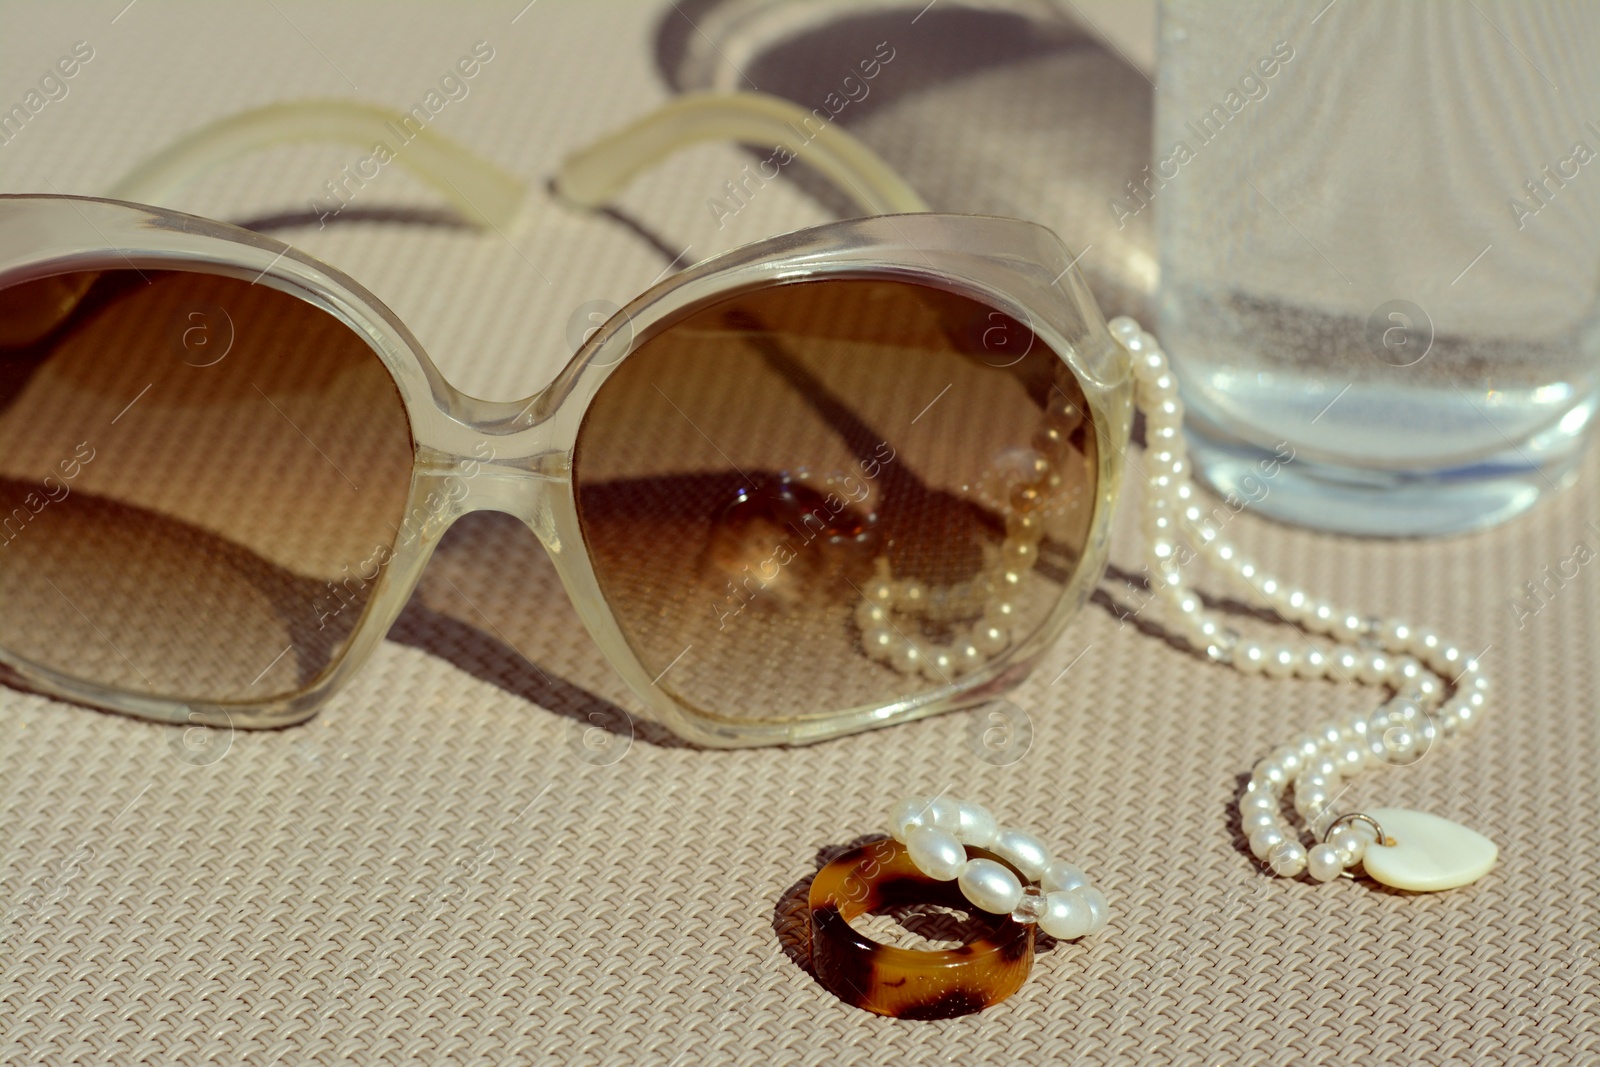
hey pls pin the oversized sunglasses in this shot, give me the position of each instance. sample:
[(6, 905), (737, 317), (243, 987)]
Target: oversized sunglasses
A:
[(833, 480)]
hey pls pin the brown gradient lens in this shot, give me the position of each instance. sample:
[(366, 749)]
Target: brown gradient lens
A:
[(832, 494), (200, 478)]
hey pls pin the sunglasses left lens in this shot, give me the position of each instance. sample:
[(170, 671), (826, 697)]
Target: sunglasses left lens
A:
[(200, 480)]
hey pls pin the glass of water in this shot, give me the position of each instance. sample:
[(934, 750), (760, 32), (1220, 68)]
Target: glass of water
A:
[(1379, 230)]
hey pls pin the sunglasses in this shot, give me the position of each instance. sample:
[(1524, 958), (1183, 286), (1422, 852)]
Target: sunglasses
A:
[(846, 477)]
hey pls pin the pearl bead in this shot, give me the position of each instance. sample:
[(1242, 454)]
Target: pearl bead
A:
[(870, 615), (936, 853), (1321, 766), (1374, 668), (990, 886), (1099, 909), (1271, 773), (1407, 669), (912, 594), (880, 593), (1067, 916), (1291, 602), (1025, 526), (1250, 658), (1318, 823), (1023, 851), (1427, 733), (1257, 801), (1264, 840), (1264, 787), (1188, 604), (1062, 876), (1324, 863), (1001, 613), (1310, 802), (1394, 633), (1258, 820), (938, 665), (1446, 659), (1351, 844), (1348, 627), (945, 813), (976, 826), (906, 658), (1313, 664), (906, 816), (1287, 859), (990, 639), (880, 642), (1347, 661), (1399, 743), (1282, 662)]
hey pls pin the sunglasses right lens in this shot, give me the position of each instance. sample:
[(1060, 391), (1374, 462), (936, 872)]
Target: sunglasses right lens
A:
[(831, 494), (200, 478)]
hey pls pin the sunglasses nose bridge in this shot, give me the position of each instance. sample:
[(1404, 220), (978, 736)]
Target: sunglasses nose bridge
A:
[(486, 478)]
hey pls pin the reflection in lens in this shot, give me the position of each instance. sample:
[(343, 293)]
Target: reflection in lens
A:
[(832, 494), (200, 479)]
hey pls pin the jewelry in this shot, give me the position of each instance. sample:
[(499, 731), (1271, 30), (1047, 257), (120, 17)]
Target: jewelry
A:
[(1026, 496), (937, 833), (1407, 850), (908, 983)]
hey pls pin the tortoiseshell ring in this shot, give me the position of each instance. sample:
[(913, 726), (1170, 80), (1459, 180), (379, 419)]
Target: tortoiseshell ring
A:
[(909, 983)]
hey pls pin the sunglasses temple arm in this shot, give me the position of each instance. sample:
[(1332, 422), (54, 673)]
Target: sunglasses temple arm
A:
[(593, 175), (486, 196)]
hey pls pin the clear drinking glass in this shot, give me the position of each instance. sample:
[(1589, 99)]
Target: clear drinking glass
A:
[(1379, 230)]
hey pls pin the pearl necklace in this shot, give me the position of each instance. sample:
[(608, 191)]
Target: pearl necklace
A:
[(1027, 499), (1416, 664)]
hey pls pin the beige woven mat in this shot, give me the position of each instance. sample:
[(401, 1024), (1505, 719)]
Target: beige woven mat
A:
[(443, 867)]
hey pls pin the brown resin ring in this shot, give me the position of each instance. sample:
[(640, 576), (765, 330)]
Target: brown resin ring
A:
[(909, 983)]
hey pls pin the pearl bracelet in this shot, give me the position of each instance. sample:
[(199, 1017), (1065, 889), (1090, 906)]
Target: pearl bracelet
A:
[(1407, 850), (936, 833)]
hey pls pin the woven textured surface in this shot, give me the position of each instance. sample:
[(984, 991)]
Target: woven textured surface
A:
[(476, 855)]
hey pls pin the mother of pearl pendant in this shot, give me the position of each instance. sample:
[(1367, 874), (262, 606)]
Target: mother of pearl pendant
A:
[(1424, 853)]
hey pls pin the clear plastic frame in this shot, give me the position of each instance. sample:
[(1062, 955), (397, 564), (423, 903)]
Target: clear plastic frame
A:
[(518, 457)]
